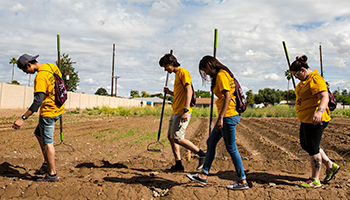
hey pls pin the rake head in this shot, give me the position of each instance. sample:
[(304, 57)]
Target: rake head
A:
[(155, 147)]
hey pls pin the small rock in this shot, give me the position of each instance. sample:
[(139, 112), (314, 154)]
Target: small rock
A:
[(272, 184), (338, 186), (154, 173), (155, 194)]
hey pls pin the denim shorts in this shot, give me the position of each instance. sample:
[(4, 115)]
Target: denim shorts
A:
[(46, 128)]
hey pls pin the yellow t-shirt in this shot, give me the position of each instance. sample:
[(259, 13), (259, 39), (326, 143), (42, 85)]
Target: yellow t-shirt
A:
[(307, 101), (182, 76), (225, 82), (45, 82)]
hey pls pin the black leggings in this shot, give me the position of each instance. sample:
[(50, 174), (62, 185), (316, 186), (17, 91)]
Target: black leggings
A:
[(310, 137)]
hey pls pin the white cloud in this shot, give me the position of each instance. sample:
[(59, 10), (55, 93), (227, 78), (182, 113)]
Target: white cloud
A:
[(247, 72), (16, 8), (249, 40), (339, 63), (273, 77), (165, 8)]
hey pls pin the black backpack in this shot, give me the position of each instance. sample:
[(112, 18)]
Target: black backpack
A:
[(241, 102)]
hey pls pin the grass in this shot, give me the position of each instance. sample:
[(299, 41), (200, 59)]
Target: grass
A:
[(341, 113), (271, 111)]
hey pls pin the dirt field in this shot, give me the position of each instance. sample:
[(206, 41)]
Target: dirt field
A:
[(111, 161)]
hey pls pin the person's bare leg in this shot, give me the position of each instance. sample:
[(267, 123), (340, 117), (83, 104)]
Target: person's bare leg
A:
[(175, 148), (187, 144), (42, 147), (316, 162), (50, 152)]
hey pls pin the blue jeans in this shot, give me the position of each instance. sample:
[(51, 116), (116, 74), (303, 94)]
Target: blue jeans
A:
[(45, 128), (228, 132)]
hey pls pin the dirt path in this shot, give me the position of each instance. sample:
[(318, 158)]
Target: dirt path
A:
[(111, 160)]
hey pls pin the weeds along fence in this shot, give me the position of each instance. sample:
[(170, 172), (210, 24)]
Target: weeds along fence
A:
[(21, 97), (272, 111)]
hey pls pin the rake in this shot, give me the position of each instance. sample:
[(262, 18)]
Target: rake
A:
[(157, 146), (61, 122)]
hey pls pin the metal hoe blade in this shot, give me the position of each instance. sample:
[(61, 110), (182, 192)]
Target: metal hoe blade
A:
[(155, 147), (69, 150)]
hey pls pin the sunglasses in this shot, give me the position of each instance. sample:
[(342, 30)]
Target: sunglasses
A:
[(297, 74)]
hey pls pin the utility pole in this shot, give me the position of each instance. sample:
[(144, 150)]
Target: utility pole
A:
[(116, 79), (113, 74), (321, 60), (69, 63)]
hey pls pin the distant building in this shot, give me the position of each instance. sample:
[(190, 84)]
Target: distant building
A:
[(204, 102), (151, 101)]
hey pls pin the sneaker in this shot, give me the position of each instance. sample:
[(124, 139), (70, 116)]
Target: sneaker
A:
[(175, 168), (330, 172), (200, 162), (237, 186), (311, 183), (43, 170), (48, 178), (196, 178)]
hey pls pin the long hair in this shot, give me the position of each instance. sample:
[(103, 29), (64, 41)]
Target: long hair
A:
[(211, 63), (299, 63), (169, 59)]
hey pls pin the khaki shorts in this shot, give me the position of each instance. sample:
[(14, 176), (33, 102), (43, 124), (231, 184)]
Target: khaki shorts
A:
[(177, 128)]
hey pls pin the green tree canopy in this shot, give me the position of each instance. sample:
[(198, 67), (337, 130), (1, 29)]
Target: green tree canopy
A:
[(14, 82), (134, 93), (101, 91), (145, 94), (72, 81), (267, 96), (250, 98), (202, 94)]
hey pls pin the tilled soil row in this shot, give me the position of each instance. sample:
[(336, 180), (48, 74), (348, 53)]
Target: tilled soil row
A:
[(122, 168)]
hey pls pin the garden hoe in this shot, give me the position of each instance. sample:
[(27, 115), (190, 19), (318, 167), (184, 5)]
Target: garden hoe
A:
[(158, 146), (61, 123)]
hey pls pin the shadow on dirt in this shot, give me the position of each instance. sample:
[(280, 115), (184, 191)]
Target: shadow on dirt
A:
[(9, 170), (148, 181), (261, 177), (106, 164)]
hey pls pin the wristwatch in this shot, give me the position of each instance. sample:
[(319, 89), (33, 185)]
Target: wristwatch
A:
[(186, 110), (24, 117)]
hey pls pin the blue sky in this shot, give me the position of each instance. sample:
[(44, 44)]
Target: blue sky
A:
[(249, 40)]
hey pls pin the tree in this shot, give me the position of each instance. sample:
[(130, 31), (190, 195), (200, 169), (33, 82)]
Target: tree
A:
[(344, 92), (250, 98), (202, 94), (72, 81), (160, 95), (13, 61), (268, 96), (288, 76), (145, 94), (14, 82), (101, 91), (134, 93)]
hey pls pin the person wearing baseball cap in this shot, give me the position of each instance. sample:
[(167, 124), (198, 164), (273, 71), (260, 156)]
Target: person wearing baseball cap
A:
[(44, 98)]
